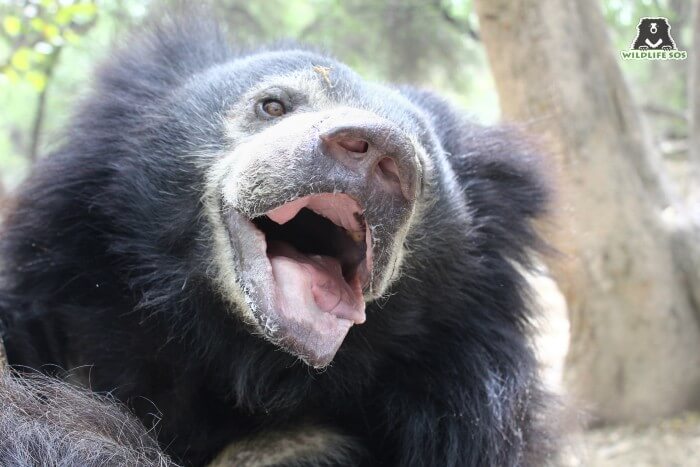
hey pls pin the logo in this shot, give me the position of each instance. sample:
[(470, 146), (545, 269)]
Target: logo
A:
[(654, 42)]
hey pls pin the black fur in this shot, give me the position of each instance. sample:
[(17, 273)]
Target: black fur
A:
[(106, 253)]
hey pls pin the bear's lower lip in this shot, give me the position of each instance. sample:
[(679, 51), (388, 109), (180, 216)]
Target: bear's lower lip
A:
[(304, 265)]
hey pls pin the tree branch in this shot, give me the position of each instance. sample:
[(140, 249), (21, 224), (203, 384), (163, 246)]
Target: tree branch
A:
[(666, 112), (461, 26), (694, 94), (40, 112)]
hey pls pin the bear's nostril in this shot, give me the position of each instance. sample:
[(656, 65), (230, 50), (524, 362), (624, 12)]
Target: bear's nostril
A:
[(354, 145), (389, 170)]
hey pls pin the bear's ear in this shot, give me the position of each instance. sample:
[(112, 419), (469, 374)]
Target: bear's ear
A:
[(501, 175)]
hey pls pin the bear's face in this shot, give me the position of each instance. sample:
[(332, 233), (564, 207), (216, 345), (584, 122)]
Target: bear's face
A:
[(313, 196)]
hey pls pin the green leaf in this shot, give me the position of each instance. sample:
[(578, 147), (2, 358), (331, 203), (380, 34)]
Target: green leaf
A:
[(12, 25), (63, 16), (85, 9), (22, 59), (11, 75), (79, 12), (37, 24), (37, 79), (51, 32), (70, 36)]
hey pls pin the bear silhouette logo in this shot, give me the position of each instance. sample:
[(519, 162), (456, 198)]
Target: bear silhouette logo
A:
[(653, 34)]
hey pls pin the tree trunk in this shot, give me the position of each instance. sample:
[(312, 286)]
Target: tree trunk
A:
[(694, 101), (635, 330)]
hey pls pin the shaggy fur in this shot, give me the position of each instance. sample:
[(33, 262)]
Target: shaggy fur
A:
[(46, 422), (108, 263)]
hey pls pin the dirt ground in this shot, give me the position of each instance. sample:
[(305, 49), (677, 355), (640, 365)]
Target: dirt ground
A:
[(667, 443)]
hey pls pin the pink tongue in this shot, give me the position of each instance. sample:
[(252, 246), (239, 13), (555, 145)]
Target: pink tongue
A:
[(308, 282)]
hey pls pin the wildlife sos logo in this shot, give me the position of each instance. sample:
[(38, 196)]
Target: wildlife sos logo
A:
[(654, 42)]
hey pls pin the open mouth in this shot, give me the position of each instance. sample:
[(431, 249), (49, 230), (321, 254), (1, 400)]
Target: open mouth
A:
[(319, 248), (304, 267)]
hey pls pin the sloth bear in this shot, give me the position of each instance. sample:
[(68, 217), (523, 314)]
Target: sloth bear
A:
[(653, 33), (271, 261)]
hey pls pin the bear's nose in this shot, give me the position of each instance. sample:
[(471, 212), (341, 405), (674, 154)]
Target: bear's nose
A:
[(375, 150)]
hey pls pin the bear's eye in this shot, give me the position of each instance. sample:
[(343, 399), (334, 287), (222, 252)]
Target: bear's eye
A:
[(273, 107)]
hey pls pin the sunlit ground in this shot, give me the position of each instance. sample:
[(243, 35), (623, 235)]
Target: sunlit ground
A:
[(667, 443)]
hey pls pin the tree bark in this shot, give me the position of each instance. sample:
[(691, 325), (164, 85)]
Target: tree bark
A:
[(694, 100), (635, 329)]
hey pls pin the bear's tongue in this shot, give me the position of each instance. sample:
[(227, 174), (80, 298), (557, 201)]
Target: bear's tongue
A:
[(309, 284)]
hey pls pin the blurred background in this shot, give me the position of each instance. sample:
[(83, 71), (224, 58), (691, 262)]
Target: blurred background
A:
[(620, 336)]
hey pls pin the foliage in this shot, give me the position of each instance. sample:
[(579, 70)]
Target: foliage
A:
[(36, 31)]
